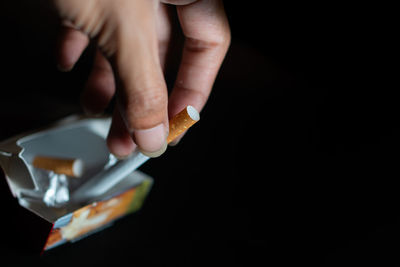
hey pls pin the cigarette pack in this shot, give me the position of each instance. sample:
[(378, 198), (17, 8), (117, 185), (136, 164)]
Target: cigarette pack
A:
[(51, 200)]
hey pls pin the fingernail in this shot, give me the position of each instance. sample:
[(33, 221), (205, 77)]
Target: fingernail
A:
[(64, 69), (121, 152), (91, 112), (175, 142), (157, 153), (122, 157), (151, 142)]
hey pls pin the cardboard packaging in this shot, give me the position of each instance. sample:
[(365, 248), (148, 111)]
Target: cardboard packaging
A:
[(48, 198)]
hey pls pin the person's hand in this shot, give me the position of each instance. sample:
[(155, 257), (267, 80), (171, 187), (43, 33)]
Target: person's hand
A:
[(132, 36)]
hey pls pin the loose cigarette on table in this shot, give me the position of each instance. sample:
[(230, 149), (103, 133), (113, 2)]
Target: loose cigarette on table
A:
[(106, 179), (67, 166)]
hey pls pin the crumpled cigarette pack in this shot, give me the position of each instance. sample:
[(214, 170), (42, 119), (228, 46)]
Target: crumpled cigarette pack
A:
[(50, 196)]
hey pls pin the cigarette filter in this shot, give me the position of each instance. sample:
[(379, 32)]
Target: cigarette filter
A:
[(70, 167), (182, 121)]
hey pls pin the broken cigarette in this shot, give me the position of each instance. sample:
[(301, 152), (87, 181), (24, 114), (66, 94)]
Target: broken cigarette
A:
[(181, 122), (70, 167)]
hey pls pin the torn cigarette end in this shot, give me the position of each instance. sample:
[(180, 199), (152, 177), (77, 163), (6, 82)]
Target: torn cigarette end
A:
[(70, 167), (182, 122)]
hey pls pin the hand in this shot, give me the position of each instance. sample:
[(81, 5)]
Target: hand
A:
[(132, 37)]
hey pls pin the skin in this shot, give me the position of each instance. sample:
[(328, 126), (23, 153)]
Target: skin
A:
[(132, 38)]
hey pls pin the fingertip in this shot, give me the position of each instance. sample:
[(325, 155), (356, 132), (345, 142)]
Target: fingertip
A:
[(152, 142), (157, 153), (176, 141), (70, 47), (119, 141), (121, 147), (64, 67)]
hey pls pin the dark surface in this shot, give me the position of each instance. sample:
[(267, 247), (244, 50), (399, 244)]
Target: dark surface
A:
[(294, 160)]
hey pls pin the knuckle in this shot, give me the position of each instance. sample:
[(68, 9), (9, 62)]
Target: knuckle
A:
[(198, 45), (227, 38), (178, 2), (220, 41), (85, 16), (197, 96), (224, 39), (146, 107)]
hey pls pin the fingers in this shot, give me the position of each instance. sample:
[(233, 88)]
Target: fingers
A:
[(100, 87), (119, 141), (141, 91), (163, 32), (127, 32), (70, 46), (142, 100), (207, 33)]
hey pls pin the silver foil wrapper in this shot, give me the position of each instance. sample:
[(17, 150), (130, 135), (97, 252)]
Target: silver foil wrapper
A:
[(49, 194)]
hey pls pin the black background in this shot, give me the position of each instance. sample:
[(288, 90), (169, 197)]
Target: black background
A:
[(294, 160)]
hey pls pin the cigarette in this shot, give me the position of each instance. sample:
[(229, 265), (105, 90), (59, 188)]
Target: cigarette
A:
[(70, 167), (182, 122), (109, 177)]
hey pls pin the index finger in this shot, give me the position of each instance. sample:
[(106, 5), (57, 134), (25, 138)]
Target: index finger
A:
[(207, 38)]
